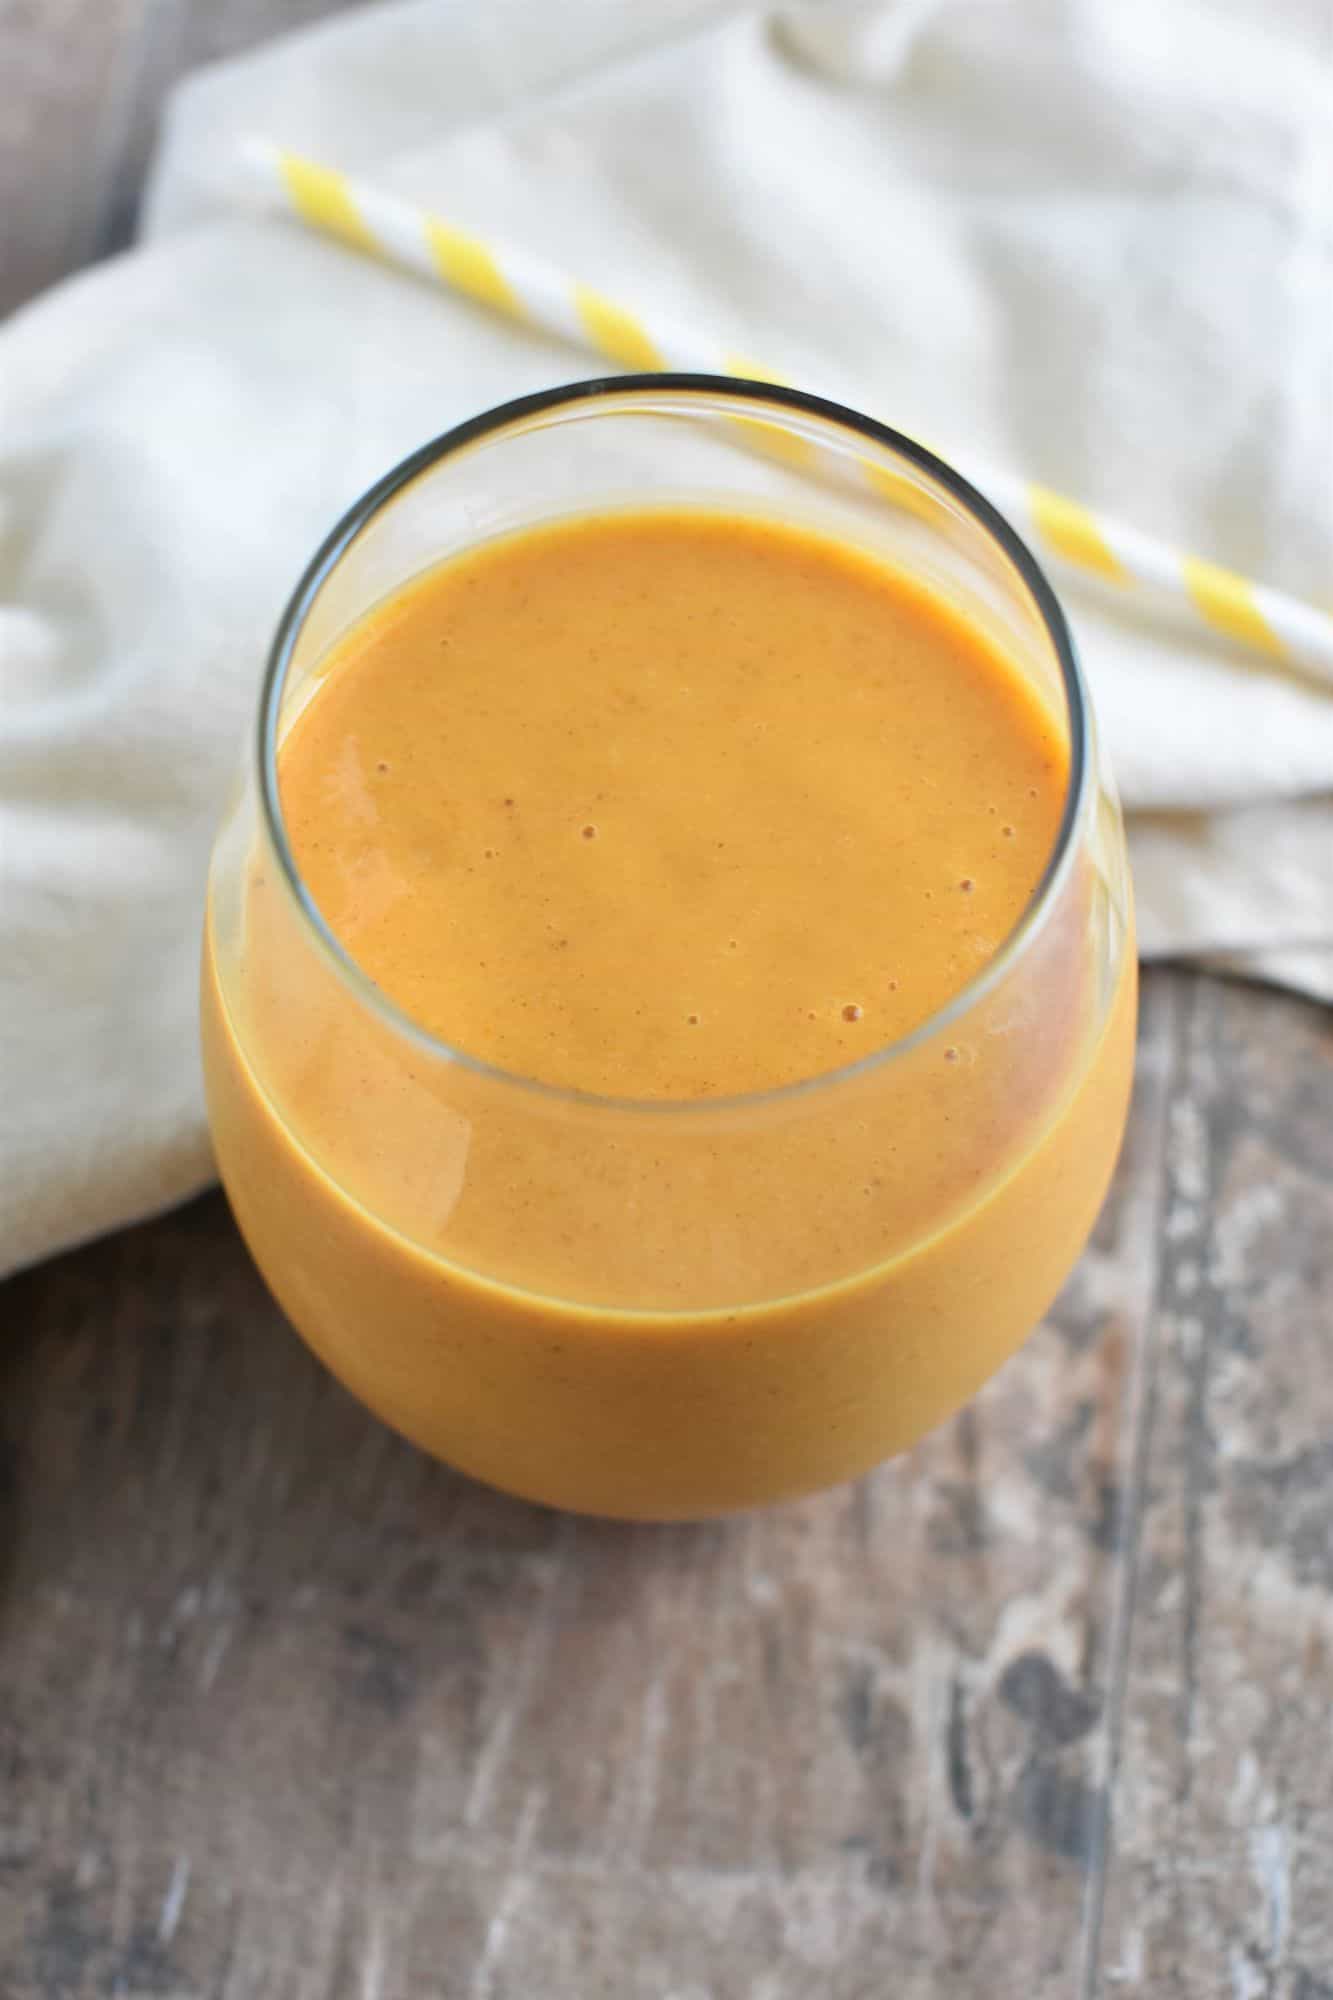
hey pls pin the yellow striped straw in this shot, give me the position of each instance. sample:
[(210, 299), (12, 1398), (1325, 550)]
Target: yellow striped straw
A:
[(512, 281)]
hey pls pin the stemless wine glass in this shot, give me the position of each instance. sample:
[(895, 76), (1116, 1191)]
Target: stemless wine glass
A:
[(716, 1302)]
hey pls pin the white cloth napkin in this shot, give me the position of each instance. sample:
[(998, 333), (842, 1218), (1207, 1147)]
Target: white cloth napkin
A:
[(1092, 243)]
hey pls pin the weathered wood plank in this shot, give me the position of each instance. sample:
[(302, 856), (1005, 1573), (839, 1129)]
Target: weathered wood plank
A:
[(292, 1710), (67, 68), (1223, 1883), (83, 82)]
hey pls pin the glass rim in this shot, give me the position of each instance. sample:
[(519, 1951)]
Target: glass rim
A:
[(601, 391)]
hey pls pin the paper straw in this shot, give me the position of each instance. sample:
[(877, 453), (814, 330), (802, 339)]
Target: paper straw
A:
[(523, 287)]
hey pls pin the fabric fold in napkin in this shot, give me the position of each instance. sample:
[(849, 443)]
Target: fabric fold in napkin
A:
[(1091, 244)]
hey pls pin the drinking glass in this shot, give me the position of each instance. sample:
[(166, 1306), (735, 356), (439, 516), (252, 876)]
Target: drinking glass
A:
[(728, 1300)]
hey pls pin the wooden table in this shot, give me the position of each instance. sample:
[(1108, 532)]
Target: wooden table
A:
[(1042, 1713)]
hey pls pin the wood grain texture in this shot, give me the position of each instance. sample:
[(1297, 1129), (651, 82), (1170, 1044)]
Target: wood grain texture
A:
[(66, 68), (1224, 1884), (290, 1712), (296, 1712), (81, 85)]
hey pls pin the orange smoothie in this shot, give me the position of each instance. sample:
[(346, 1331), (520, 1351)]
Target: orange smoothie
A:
[(670, 834)]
